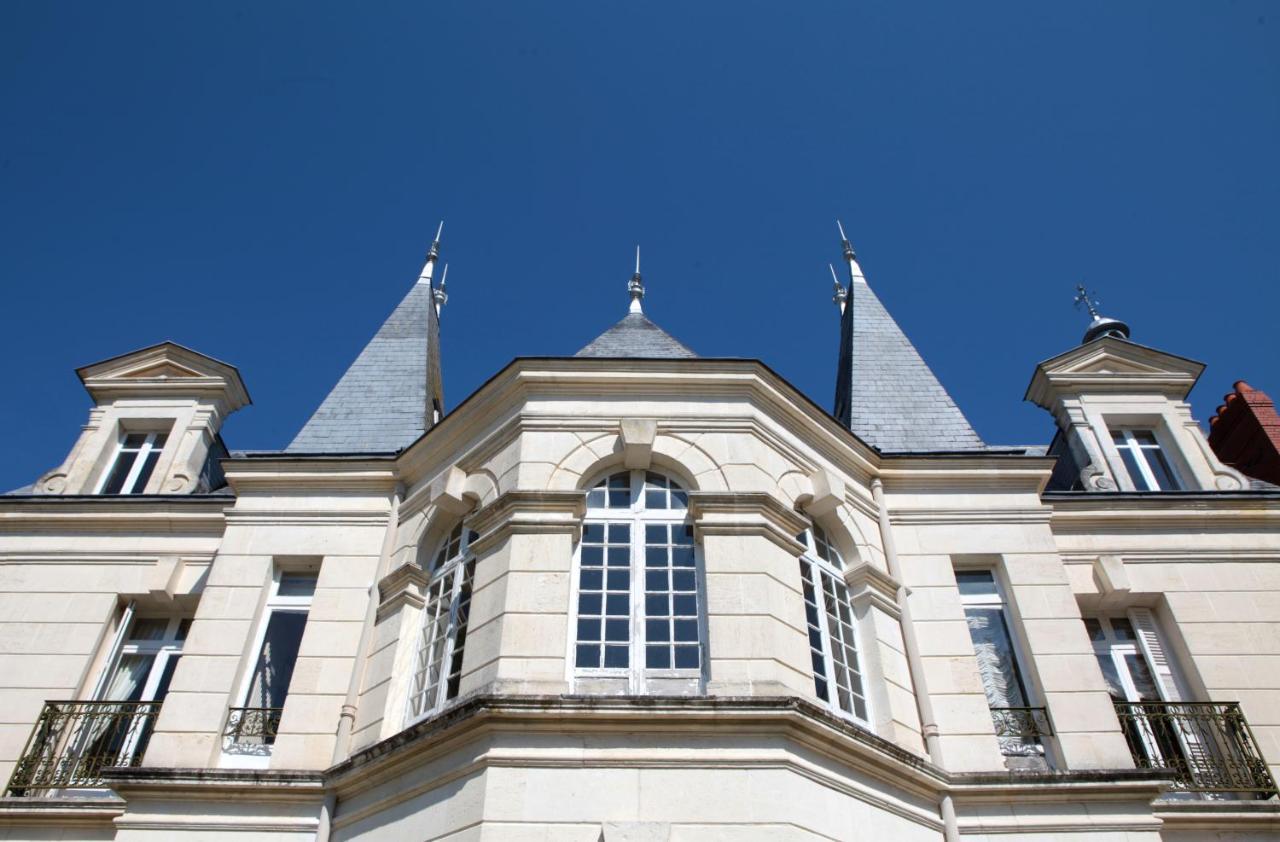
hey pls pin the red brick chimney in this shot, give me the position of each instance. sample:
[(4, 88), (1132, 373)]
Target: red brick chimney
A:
[(1245, 433)]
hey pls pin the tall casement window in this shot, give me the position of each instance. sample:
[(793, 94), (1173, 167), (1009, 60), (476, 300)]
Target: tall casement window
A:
[(1018, 725), (255, 723), (134, 462), (438, 668), (638, 587), (833, 641), (1140, 680), (1144, 461)]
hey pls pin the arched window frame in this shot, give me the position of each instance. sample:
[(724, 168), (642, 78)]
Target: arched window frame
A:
[(437, 665), (835, 649), (625, 510)]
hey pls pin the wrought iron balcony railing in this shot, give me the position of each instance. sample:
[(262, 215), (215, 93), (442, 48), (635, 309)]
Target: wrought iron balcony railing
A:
[(1024, 723), (250, 728), (74, 741), (1208, 746)]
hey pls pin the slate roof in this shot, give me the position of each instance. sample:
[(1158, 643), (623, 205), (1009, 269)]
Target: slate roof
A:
[(635, 336), (885, 392), (386, 399)]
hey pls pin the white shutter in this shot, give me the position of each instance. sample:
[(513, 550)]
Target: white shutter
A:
[(1149, 641)]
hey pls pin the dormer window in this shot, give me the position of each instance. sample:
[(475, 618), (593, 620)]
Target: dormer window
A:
[(134, 463), (1144, 461)]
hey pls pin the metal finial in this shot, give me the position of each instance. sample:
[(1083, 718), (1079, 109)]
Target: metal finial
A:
[(636, 287), (840, 294), (439, 295), (433, 253), (1088, 299), (844, 241)]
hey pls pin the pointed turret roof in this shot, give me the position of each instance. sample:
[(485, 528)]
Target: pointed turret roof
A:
[(635, 335), (390, 394), (885, 392)]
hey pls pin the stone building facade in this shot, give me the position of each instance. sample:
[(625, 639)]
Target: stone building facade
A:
[(638, 594)]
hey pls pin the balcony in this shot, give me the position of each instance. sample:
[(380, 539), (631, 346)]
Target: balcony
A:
[(251, 731), (73, 742), (1208, 746)]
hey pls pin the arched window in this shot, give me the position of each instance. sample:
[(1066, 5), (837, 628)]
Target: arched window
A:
[(639, 597), (438, 667), (833, 639)]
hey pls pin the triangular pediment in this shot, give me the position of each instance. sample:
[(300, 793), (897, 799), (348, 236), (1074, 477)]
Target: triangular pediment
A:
[(167, 368), (1111, 364), (163, 370)]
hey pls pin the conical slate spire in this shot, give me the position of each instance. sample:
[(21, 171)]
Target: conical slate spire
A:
[(885, 392), (392, 392), (635, 335)]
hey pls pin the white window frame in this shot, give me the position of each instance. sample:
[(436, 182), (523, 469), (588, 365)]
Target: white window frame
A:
[(275, 603), (824, 560), (639, 679), (1017, 647), (1139, 452), (143, 452), (460, 566)]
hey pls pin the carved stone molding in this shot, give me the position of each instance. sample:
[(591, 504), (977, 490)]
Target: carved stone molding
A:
[(528, 512), (869, 584), (746, 513), (404, 586)]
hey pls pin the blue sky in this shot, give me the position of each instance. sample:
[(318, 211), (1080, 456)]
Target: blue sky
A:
[(260, 182)]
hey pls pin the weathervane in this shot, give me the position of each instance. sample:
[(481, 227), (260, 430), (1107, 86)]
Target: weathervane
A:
[(1088, 299), (636, 286)]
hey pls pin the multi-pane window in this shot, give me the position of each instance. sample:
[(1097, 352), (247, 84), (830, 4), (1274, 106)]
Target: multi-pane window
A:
[(833, 640), (985, 613), (438, 668), (639, 603), (134, 463), (1144, 461)]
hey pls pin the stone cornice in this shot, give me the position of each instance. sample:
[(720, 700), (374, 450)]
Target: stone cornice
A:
[(257, 785), (959, 473), (1112, 365), (376, 474), (867, 582), (527, 512), (746, 513), (164, 370), (142, 513), (404, 586), (1199, 511)]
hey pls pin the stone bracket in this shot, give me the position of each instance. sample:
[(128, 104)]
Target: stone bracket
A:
[(826, 493), (638, 435), (406, 585), (528, 512), (449, 492), (746, 513), (869, 584)]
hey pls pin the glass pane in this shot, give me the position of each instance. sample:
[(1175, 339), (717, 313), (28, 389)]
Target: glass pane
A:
[(588, 657), (119, 472), (1122, 629), (671, 599), (184, 628), (462, 613), (129, 678), (297, 584), (994, 649), (149, 628), (276, 660), (166, 678), (657, 657), (1094, 628), (148, 465), (616, 657), (134, 441), (1143, 681), (1166, 480), (976, 582), (1131, 466), (1145, 438), (1114, 687)]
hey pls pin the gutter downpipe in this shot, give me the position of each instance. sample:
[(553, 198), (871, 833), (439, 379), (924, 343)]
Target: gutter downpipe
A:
[(928, 724), (347, 718)]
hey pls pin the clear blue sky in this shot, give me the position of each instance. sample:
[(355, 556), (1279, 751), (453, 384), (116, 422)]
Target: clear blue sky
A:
[(259, 181)]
